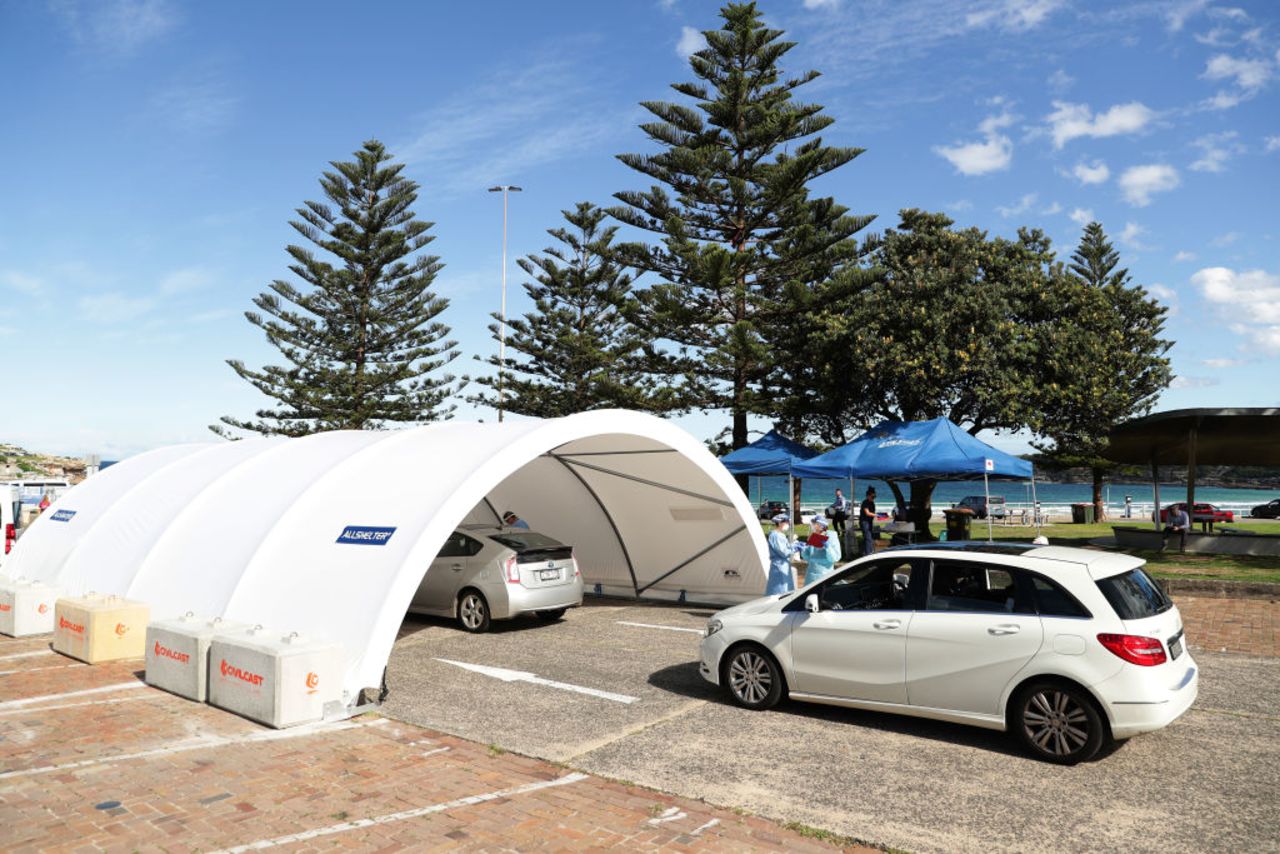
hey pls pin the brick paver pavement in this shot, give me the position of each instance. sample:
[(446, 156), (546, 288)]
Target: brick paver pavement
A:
[(1249, 626), (127, 768)]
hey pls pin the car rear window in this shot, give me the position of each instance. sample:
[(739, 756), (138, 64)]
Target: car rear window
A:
[(1134, 596), (526, 541)]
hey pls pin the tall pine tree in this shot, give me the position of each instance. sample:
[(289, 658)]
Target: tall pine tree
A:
[(577, 350), (1106, 356), (743, 247), (361, 341)]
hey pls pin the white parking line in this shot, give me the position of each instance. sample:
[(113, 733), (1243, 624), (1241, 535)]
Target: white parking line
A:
[(524, 676), (671, 814), (434, 752), (664, 628), (154, 695), (706, 826), (27, 654), (198, 744), (27, 701), (38, 669), (360, 824)]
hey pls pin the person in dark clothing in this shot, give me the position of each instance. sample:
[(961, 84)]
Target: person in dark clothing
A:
[(839, 514), (1177, 522), (867, 518)]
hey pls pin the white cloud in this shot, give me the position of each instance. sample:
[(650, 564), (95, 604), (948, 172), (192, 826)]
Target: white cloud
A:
[(1223, 363), (1131, 236), (185, 280), (1015, 15), (960, 205), (1225, 239), (1053, 209), (1271, 143), (1217, 37), (1250, 298), (1091, 173), (1081, 216), (1140, 183), (1246, 73), (1070, 121), (1060, 81), (993, 154), (1183, 256), (1177, 15), (1193, 382), (821, 4), (200, 102), (1020, 207), (114, 307), (1166, 295), (120, 27), (21, 282), (691, 41), (1217, 149)]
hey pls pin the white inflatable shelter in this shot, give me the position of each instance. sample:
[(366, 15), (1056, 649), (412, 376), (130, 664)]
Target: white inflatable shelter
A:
[(254, 530)]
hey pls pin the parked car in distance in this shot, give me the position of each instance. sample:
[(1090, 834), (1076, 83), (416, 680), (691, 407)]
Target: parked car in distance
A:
[(488, 573), (769, 509), (1064, 648), (1270, 510), (978, 504), (1203, 513)]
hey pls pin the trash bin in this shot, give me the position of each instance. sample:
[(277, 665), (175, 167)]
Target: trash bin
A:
[(1082, 514), (958, 522)]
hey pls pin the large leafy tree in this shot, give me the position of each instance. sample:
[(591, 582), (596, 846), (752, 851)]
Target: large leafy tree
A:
[(952, 329), (741, 242), (576, 349), (1106, 362), (360, 339)]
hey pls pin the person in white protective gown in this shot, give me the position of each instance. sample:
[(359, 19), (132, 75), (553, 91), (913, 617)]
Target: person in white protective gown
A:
[(781, 577), (821, 552)]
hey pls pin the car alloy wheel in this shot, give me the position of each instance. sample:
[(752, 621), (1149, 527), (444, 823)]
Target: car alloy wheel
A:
[(754, 679), (473, 612), (1059, 724)]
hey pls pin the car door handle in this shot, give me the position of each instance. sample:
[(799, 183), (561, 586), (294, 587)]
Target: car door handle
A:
[(457, 567), (887, 624), (1005, 629)]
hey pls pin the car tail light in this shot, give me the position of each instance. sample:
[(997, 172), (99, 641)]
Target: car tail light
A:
[(513, 569), (574, 559), (1135, 649)]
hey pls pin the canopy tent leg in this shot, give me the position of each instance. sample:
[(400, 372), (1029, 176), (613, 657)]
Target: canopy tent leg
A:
[(986, 491), (1035, 504), (1155, 490), (1191, 474)]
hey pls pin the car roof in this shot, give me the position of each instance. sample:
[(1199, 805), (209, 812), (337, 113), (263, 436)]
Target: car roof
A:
[(1052, 560)]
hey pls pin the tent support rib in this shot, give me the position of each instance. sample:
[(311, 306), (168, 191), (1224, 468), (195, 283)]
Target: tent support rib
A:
[(631, 570), (684, 563), (645, 481), (494, 511)]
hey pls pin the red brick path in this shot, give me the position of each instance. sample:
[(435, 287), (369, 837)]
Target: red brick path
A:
[(198, 785), (1249, 626)]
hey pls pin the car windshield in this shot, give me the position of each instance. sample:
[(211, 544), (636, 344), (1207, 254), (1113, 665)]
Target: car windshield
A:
[(1134, 596), (526, 541)]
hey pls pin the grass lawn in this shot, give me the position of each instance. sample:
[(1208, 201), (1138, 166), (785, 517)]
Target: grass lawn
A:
[(1163, 564)]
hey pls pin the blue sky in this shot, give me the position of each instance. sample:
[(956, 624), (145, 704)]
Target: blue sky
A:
[(156, 150)]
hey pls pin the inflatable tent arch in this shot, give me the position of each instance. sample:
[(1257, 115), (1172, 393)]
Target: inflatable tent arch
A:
[(250, 530)]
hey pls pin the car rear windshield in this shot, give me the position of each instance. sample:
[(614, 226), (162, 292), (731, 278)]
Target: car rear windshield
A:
[(526, 541), (1134, 596)]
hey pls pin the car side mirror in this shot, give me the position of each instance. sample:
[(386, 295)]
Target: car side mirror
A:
[(811, 603)]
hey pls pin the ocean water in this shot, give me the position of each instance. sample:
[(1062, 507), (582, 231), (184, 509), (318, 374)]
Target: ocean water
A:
[(1055, 498)]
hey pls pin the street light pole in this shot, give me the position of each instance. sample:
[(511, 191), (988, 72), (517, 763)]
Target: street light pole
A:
[(505, 189)]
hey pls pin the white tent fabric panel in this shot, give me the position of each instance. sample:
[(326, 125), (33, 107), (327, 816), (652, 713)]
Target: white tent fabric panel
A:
[(252, 531)]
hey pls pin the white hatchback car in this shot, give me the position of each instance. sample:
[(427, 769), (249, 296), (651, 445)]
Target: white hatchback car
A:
[(488, 573), (1066, 648)]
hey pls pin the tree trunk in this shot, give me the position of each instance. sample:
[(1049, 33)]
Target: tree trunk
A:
[(921, 510), (740, 435), (1099, 505), (899, 500)]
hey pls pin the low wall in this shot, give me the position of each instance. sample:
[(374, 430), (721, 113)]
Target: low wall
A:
[(1149, 539)]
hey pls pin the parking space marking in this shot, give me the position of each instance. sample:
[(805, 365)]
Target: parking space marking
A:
[(148, 696), (359, 824), (706, 826), (199, 744), (434, 752), (17, 655), (26, 701), (524, 676), (656, 626), (38, 669), (670, 814)]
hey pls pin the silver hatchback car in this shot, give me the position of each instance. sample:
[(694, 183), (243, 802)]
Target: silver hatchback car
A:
[(490, 573)]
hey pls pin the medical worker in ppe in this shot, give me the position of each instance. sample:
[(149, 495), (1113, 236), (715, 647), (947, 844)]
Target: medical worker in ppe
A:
[(821, 551), (781, 578)]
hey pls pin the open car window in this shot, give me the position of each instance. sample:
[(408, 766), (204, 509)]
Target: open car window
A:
[(974, 586), (882, 585)]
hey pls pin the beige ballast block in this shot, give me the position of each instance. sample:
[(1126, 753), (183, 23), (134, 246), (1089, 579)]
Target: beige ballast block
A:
[(26, 607), (178, 653), (277, 680), (96, 628)]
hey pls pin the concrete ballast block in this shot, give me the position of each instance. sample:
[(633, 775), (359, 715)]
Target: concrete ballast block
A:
[(178, 653), (279, 680), (96, 628)]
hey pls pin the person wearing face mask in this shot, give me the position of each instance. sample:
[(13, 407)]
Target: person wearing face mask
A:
[(781, 579)]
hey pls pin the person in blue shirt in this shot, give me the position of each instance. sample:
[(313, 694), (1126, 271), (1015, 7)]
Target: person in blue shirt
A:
[(822, 551), (781, 578), (511, 520)]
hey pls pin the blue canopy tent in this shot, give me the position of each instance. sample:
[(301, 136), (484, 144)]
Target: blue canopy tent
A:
[(771, 454), (919, 450)]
